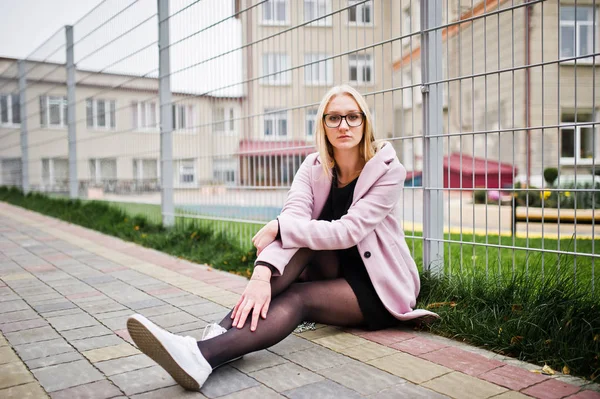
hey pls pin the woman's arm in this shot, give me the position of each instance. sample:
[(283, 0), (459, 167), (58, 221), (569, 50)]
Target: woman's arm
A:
[(361, 219)]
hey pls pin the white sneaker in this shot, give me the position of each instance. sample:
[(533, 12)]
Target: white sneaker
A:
[(212, 330), (179, 356)]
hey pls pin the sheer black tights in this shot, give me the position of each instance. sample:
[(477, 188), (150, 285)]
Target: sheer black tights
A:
[(330, 301)]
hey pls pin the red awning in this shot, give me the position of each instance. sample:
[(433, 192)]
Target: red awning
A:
[(477, 165), (293, 147)]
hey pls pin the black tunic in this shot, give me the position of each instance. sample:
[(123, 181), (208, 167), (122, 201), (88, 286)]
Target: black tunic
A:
[(351, 264)]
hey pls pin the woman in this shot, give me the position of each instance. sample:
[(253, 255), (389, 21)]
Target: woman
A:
[(335, 255)]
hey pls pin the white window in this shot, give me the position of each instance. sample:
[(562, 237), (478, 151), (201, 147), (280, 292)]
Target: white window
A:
[(311, 115), (273, 64), (317, 72), (183, 116), (361, 68), (53, 111), (576, 31), (314, 9), (275, 12), (411, 22), (224, 171), (103, 170), (231, 120), (360, 14), (144, 115), (10, 109), (185, 172), (223, 119), (276, 124), (100, 114), (577, 142), (55, 172), (145, 170), (11, 171)]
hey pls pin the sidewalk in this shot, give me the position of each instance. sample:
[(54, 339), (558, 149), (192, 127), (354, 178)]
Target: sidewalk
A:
[(65, 294)]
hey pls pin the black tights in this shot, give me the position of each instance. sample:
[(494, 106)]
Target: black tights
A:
[(329, 300)]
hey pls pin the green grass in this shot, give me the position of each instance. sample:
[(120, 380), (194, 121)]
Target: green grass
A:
[(540, 310)]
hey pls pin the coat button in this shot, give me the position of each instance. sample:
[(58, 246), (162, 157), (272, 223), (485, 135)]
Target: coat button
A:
[(367, 254)]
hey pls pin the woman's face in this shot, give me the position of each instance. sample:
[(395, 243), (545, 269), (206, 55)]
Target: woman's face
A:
[(344, 137)]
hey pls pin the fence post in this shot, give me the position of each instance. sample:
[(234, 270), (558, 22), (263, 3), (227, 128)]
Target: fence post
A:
[(73, 182), (433, 154), (24, 138), (166, 114)]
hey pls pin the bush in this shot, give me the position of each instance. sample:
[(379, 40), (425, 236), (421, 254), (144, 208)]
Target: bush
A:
[(550, 175), (479, 196)]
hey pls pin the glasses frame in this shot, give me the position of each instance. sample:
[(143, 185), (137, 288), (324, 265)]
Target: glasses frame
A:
[(343, 118)]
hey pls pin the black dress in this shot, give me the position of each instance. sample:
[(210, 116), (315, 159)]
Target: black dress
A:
[(351, 264)]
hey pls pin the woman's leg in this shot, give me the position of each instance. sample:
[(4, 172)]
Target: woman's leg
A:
[(324, 265), (328, 301)]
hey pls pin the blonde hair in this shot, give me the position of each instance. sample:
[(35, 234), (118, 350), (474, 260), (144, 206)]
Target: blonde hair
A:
[(367, 147)]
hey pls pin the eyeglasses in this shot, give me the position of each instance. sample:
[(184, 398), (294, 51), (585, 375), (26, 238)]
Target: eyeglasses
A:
[(353, 119)]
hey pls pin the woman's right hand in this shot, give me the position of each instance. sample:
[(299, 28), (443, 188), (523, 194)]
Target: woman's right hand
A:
[(256, 299)]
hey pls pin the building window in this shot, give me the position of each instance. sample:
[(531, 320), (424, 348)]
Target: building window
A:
[(577, 142), (10, 109), (317, 73), (103, 170), (276, 124), (274, 12), (55, 173), (53, 111), (311, 116), (224, 171), (185, 172), (360, 14), (145, 170), (144, 115), (314, 9), (231, 120), (11, 172), (100, 114), (273, 64), (183, 116), (576, 31), (361, 68)]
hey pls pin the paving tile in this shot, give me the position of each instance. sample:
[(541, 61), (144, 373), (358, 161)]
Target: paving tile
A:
[(291, 344), (33, 390), (172, 319), (144, 380), (118, 323), (96, 390), (514, 378), (407, 391), (96, 342), (124, 364), (361, 377), (457, 384), (320, 333), (7, 355), (172, 392), (204, 309), (418, 346), (3, 341), (158, 310), (71, 322), (22, 325), (185, 300), (226, 380), (11, 306), (340, 341), (148, 303), (409, 367), (387, 336), (32, 335), (99, 280), (316, 359), (257, 361), (66, 375), (64, 312), (368, 351), (36, 350), (585, 395), (322, 390), (19, 315), (111, 315), (550, 389), (285, 377), (181, 328), (67, 357), (12, 374), (51, 307), (110, 352), (463, 361), (512, 395), (86, 332)]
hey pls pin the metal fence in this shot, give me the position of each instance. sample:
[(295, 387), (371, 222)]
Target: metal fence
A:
[(207, 109)]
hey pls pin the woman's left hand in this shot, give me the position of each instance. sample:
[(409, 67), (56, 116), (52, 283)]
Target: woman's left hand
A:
[(265, 236)]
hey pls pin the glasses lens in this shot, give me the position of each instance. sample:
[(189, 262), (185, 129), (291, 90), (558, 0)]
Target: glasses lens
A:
[(354, 119), (333, 120)]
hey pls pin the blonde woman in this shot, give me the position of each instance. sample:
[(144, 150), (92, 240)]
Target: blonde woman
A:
[(335, 255)]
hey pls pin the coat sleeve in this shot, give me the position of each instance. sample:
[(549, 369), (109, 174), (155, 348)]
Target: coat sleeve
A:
[(361, 219)]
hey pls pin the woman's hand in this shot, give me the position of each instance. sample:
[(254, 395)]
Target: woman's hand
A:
[(256, 299), (265, 236)]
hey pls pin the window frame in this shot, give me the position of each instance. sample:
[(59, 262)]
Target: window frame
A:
[(51, 181), (136, 116), (181, 164), (366, 61), (276, 77), (577, 159), (275, 117), (224, 167), (359, 11), (310, 118), (314, 9), (576, 24), (109, 113), (322, 63), (275, 22), (45, 112), (10, 106)]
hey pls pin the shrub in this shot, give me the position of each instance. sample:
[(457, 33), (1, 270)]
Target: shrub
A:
[(550, 175), (479, 196)]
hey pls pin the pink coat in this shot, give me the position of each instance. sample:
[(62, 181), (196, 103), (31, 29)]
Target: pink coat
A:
[(370, 224)]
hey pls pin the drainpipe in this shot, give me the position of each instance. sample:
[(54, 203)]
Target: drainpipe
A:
[(529, 11)]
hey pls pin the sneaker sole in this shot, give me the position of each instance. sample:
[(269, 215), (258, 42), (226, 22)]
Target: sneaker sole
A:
[(151, 346)]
